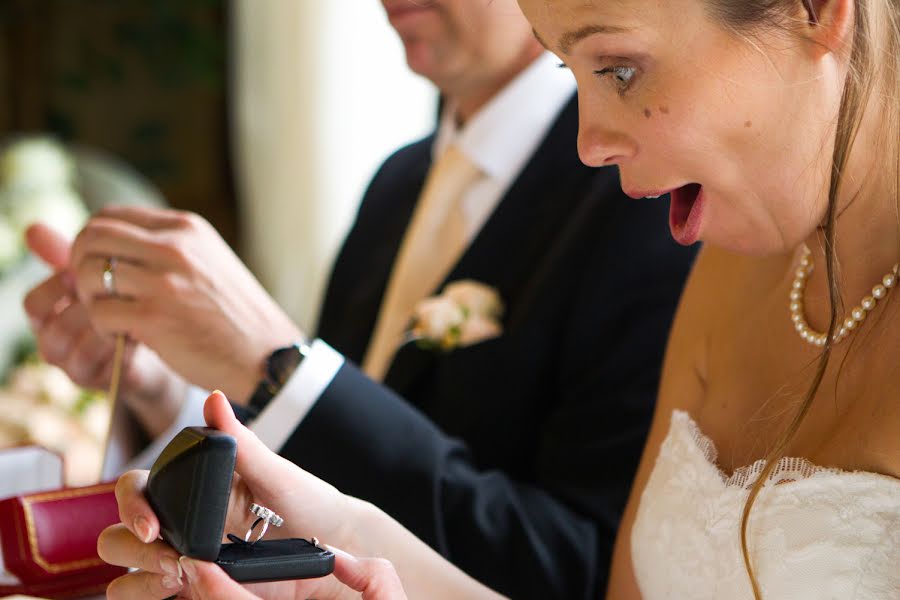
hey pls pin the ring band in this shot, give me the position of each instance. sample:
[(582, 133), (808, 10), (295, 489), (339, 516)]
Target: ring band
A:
[(265, 516), (109, 276)]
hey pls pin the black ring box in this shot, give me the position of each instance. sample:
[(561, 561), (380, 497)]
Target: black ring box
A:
[(189, 489)]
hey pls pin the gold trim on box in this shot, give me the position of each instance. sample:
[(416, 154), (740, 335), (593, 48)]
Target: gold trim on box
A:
[(39, 560)]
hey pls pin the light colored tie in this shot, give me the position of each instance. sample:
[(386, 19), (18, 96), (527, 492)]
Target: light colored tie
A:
[(433, 243)]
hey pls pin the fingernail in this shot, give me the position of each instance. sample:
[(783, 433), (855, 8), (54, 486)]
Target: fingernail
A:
[(172, 583), (190, 569), (142, 529), (339, 552), (170, 566)]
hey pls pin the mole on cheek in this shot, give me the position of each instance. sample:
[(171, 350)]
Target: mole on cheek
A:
[(748, 124), (664, 110), (647, 113)]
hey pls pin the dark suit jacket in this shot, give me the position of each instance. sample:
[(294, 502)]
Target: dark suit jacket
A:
[(512, 457)]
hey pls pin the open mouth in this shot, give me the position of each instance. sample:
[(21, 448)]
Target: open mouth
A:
[(685, 213)]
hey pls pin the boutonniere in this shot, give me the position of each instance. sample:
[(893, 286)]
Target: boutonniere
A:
[(465, 313)]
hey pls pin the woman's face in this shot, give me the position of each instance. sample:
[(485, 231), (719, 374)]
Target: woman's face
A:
[(738, 127)]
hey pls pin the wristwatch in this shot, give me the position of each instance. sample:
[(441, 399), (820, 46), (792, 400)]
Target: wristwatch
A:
[(278, 368)]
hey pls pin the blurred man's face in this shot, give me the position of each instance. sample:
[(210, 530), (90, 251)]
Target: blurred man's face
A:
[(458, 44)]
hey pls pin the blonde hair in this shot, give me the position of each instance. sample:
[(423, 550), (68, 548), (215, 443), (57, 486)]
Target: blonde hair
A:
[(874, 69)]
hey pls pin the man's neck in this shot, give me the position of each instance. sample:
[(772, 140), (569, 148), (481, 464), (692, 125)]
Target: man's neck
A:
[(469, 101)]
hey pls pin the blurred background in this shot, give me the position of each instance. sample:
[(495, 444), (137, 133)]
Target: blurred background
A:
[(267, 117)]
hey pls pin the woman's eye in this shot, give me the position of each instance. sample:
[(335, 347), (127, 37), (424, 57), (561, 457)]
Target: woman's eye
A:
[(621, 76)]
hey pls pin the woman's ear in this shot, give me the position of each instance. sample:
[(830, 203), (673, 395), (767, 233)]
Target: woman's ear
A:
[(829, 23)]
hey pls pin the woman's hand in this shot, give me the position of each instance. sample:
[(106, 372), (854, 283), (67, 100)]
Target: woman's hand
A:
[(66, 338), (309, 506), (183, 293)]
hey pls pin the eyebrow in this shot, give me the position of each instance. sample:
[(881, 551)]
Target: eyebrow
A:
[(571, 38)]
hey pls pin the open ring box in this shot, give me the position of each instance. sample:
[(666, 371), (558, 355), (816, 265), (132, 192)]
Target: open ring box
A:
[(189, 489)]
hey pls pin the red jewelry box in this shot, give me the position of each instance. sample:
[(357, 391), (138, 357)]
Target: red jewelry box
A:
[(48, 541)]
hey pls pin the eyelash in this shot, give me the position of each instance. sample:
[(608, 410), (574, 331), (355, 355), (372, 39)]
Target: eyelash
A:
[(615, 71)]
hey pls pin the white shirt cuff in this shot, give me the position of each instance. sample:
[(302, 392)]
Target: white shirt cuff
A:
[(191, 415), (286, 411)]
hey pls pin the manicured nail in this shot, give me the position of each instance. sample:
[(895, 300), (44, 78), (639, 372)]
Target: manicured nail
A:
[(142, 529), (339, 552), (170, 566), (189, 568), (172, 583)]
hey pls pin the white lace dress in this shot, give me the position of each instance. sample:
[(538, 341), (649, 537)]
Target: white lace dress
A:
[(815, 533)]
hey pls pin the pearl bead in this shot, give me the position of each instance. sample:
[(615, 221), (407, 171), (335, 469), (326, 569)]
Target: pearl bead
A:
[(857, 314)]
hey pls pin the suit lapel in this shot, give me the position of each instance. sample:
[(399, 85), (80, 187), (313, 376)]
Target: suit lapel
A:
[(506, 251)]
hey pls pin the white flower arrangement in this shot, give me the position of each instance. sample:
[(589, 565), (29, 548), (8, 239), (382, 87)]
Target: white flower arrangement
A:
[(41, 406), (36, 183), (465, 313)]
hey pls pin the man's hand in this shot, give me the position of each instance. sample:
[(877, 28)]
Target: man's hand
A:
[(66, 338), (183, 293)]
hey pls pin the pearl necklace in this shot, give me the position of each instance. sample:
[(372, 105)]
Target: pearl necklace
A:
[(856, 315)]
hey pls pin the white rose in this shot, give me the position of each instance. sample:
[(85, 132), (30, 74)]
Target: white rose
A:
[(35, 163), (478, 328), (45, 383), (50, 427), (437, 318), (60, 208), (476, 298)]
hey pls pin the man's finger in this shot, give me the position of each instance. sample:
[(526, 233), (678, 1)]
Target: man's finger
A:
[(49, 245), (146, 216), (108, 237), (130, 280), (143, 586), (209, 582), (113, 315), (41, 302), (134, 510)]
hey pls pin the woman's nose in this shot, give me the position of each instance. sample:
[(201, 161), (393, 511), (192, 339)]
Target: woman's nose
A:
[(600, 146)]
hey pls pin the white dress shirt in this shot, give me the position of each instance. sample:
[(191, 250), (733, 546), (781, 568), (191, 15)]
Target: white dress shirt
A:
[(500, 139)]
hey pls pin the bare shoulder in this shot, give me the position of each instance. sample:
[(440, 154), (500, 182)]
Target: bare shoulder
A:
[(715, 281)]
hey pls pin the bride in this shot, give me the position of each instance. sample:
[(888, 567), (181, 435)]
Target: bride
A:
[(772, 470)]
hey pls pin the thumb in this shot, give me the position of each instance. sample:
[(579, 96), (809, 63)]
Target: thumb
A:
[(49, 245), (375, 578), (209, 582), (258, 466)]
